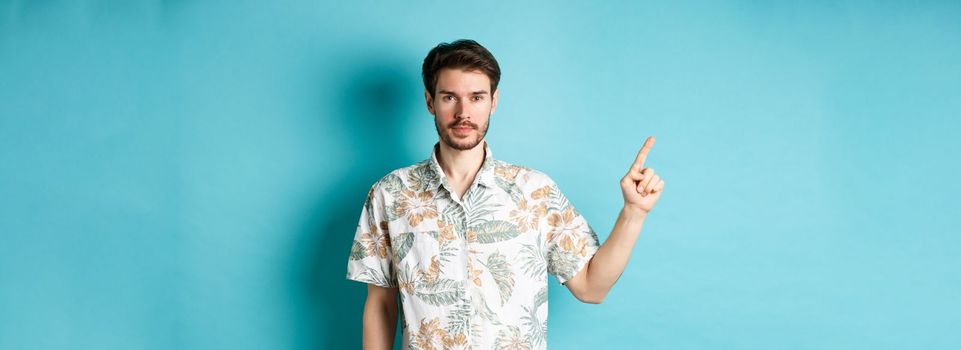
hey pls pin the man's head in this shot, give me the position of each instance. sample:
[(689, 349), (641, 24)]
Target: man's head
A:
[(460, 86)]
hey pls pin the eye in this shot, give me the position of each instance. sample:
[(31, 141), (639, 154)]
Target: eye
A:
[(478, 98), (447, 97)]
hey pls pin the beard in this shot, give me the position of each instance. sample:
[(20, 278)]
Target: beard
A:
[(459, 143)]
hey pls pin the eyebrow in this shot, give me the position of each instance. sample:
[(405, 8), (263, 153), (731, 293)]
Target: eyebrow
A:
[(479, 92)]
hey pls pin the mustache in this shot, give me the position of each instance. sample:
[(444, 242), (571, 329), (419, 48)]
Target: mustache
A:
[(464, 124)]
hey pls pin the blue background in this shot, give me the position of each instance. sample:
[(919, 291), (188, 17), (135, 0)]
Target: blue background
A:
[(189, 174)]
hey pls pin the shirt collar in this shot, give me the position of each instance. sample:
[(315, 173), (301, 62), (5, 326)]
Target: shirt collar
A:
[(485, 175)]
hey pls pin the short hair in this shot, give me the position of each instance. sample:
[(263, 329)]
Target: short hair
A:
[(464, 54)]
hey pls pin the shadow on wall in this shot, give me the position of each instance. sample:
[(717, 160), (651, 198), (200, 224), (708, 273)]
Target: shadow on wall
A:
[(328, 308)]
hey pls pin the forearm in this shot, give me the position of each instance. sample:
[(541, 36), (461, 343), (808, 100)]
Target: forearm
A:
[(611, 258), (380, 323)]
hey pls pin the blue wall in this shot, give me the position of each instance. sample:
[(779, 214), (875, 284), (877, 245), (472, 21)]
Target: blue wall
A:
[(189, 174)]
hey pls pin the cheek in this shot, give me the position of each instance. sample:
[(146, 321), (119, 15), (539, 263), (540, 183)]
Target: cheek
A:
[(444, 110), (444, 117)]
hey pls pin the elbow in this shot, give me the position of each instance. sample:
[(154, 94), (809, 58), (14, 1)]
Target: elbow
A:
[(592, 298), (592, 301)]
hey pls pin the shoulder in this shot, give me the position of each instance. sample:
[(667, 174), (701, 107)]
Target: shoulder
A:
[(519, 175), (401, 178)]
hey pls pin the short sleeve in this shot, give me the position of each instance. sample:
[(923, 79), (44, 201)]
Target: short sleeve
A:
[(370, 253), (571, 241)]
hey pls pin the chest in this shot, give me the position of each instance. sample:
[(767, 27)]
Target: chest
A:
[(477, 220)]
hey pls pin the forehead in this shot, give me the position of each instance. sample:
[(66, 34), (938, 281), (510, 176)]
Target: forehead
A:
[(461, 81)]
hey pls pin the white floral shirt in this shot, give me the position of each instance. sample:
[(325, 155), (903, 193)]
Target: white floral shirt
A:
[(472, 271)]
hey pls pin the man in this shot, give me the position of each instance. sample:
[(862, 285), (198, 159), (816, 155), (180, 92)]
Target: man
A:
[(466, 241)]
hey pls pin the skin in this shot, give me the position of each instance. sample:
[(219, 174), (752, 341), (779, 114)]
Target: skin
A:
[(463, 98), (380, 317)]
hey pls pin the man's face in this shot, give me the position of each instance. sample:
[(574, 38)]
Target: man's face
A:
[(462, 107)]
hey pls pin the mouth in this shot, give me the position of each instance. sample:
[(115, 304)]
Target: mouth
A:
[(462, 129)]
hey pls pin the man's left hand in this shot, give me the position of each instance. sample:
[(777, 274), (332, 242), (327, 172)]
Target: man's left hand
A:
[(641, 186)]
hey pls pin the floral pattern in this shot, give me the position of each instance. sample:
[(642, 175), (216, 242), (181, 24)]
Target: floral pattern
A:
[(416, 206), (472, 272)]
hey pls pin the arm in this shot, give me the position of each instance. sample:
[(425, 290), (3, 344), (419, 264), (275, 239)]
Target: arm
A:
[(591, 284), (641, 189), (380, 317)]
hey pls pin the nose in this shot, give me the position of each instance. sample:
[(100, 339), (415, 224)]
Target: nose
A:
[(460, 111)]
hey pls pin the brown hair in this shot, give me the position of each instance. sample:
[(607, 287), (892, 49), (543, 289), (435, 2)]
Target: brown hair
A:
[(464, 54)]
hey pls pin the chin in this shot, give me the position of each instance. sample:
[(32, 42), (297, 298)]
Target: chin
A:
[(463, 145)]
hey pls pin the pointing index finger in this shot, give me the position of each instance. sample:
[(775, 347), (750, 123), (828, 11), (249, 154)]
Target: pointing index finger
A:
[(642, 154)]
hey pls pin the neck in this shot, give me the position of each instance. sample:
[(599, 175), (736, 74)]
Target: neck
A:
[(461, 166)]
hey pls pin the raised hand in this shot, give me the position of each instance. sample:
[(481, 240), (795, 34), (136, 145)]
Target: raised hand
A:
[(641, 187)]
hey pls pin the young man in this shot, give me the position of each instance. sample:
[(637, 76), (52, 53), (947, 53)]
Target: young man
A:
[(466, 240)]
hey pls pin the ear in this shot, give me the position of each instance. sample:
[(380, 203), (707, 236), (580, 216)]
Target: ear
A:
[(494, 100), (430, 101)]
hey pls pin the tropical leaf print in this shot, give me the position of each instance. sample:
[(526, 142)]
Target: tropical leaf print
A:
[(458, 319), (375, 276), (357, 251), (478, 206), (453, 214), (472, 272), (536, 329), (561, 264), (432, 273), (556, 200), (440, 292), (484, 310), (448, 249), (494, 231), (402, 242), (510, 338), (407, 279), (533, 261), (392, 184), (391, 211), (420, 176), (369, 207), (541, 297), (511, 188), (500, 269), (448, 252)]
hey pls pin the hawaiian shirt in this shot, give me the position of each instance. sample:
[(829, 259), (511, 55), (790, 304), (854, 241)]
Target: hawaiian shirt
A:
[(471, 271)]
